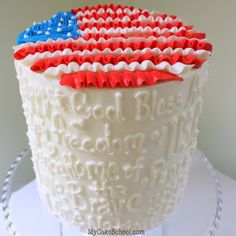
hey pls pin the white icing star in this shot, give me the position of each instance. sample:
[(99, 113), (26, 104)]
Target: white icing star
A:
[(69, 34), (59, 29)]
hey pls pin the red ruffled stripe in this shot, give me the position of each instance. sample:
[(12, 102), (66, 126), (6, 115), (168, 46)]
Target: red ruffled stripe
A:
[(52, 47), (114, 16), (181, 33), (44, 64), (129, 24), (115, 8), (99, 6), (114, 79)]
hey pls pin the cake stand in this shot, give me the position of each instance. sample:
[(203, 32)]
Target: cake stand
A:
[(198, 213)]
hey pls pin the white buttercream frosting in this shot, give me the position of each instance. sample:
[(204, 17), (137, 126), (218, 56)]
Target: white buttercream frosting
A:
[(111, 158), (132, 30)]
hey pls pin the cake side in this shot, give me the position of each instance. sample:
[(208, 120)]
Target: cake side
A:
[(111, 158)]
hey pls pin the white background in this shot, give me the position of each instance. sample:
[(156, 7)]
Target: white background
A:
[(216, 17)]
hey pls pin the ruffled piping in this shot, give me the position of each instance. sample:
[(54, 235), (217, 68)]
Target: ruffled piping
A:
[(177, 69), (100, 9), (43, 64), (113, 45), (106, 7), (114, 16), (182, 33), (130, 24), (30, 59), (116, 79)]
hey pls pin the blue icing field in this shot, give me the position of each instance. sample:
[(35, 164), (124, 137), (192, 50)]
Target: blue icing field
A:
[(62, 25)]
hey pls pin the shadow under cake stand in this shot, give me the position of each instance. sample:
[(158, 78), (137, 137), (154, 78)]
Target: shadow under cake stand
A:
[(198, 213)]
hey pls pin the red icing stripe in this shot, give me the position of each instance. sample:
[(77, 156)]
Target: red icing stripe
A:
[(114, 16), (181, 33), (44, 64), (129, 24), (115, 8), (105, 7), (115, 79), (52, 47)]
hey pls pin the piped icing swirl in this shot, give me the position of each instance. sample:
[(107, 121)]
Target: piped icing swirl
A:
[(110, 46)]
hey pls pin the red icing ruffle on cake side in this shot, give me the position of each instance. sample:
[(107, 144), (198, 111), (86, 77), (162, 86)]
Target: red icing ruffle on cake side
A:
[(52, 47), (44, 64), (113, 79)]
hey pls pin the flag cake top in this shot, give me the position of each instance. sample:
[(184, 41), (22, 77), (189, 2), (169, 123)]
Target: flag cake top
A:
[(109, 46)]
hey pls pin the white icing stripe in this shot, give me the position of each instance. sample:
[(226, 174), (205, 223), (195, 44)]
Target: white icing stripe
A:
[(133, 30), (176, 68), (31, 59), (141, 18)]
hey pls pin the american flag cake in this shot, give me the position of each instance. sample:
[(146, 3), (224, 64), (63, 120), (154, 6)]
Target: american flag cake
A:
[(112, 96)]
